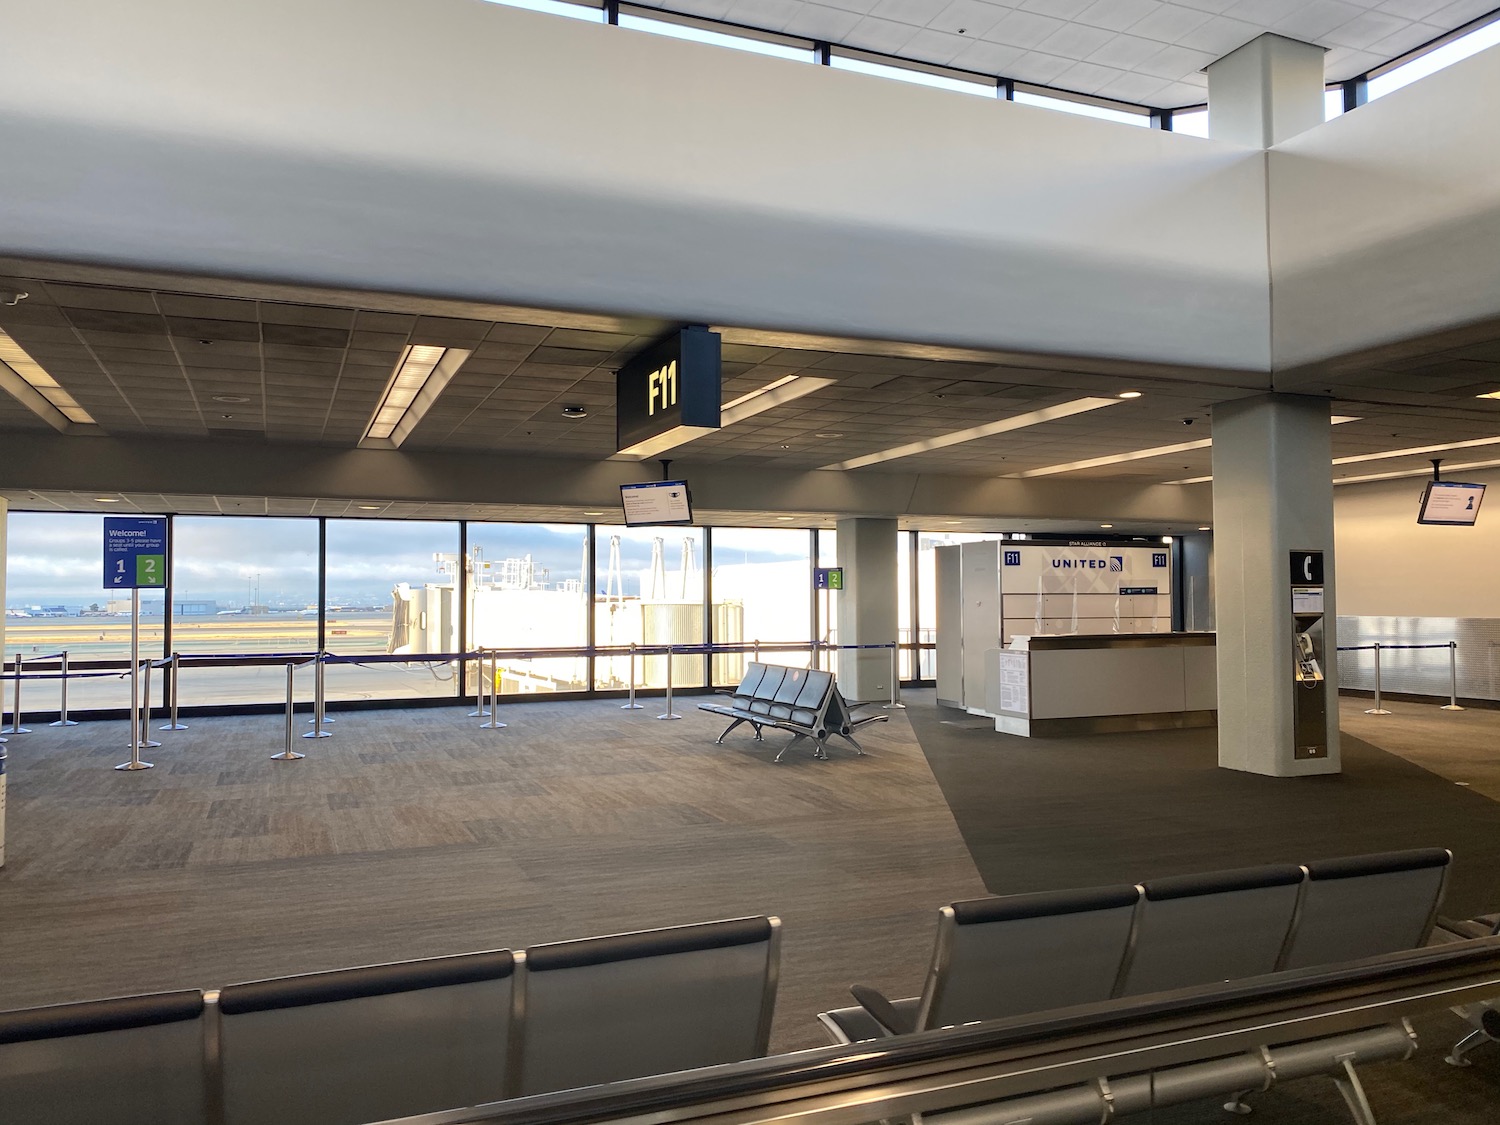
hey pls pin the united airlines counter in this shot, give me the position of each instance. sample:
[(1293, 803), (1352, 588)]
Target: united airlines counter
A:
[(1082, 684)]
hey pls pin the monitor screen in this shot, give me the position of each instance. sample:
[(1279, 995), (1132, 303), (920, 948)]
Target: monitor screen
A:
[(664, 501), (1449, 502)]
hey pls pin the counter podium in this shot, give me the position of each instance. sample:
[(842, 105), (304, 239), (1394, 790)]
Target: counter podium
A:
[(1093, 684)]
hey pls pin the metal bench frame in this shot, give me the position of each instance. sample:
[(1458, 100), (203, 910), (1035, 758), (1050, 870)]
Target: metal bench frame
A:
[(834, 715)]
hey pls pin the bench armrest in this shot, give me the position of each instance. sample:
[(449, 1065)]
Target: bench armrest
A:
[(884, 1012)]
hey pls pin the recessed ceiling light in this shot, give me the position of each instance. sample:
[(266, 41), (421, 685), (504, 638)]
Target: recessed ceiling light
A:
[(1166, 539), (575, 412), (1489, 394), (369, 507), (106, 499), (1106, 525), (231, 398), (420, 376), (1205, 527), (773, 394), (1130, 394), (593, 513), (829, 436), (786, 517), (1412, 451), (989, 429), (53, 400)]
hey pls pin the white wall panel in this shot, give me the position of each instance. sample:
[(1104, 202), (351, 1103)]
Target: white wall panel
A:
[(1392, 566), (1385, 222), (470, 150)]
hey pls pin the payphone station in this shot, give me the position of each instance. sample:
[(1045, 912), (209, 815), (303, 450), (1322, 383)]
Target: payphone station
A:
[(1310, 698)]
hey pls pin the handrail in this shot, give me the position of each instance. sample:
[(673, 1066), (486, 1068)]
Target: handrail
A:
[(1005, 1058)]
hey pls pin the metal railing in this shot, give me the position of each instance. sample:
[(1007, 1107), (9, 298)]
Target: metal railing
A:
[(487, 694), (1377, 647)]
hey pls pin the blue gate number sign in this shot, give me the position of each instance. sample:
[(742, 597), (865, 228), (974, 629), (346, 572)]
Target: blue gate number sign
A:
[(135, 553)]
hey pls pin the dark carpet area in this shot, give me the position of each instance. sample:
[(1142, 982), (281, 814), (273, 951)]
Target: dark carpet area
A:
[(1047, 813), (1043, 814)]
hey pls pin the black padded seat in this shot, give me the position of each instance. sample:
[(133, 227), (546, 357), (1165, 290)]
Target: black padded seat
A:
[(787, 693), (631, 1005), (1010, 956), (1223, 925), (136, 1060), (1360, 906), (770, 684), (744, 694), (367, 1044)]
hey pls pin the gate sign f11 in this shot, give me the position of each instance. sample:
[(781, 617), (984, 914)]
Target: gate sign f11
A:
[(135, 553)]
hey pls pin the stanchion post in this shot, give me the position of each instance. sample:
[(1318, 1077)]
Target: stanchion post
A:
[(493, 687), (15, 715), (895, 703), (480, 710), (147, 742), (1377, 709), (176, 667), (631, 704), (289, 755), (670, 713), (135, 762), (320, 701), (1452, 704), (62, 703)]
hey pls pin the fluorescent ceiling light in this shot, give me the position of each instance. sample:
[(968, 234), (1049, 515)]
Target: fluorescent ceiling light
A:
[(1415, 450), (420, 376), (1336, 420), (19, 373), (786, 389), (1489, 394), (1115, 458), (1427, 472), (989, 429)]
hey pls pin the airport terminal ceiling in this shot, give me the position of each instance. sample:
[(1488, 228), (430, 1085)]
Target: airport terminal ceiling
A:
[(263, 368)]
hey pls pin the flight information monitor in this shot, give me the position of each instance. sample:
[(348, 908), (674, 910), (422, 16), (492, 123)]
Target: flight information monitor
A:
[(664, 501), (1451, 503)]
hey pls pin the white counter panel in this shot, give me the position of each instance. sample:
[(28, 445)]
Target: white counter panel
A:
[(1069, 683)]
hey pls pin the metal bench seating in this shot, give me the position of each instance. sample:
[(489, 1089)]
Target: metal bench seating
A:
[(804, 701), (1482, 1015), (1022, 954), (367, 1044), (137, 1060), (999, 957), (609, 1008), (1367, 904), (1224, 925)]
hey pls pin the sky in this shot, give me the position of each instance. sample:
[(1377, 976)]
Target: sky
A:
[(56, 559)]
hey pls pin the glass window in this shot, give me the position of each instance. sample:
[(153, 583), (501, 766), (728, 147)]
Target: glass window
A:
[(762, 583), (1333, 103), (1191, 122), (392, 588), (1087, 109), (988, 89), (242, 585), (718, 38), (558, 8), (1434, 60), (828, 621), (649, 592), (55, 600), (528, 589), (906, 632)]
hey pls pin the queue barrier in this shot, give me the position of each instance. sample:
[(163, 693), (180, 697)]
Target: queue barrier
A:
[(1379, 646), (487, 697)]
